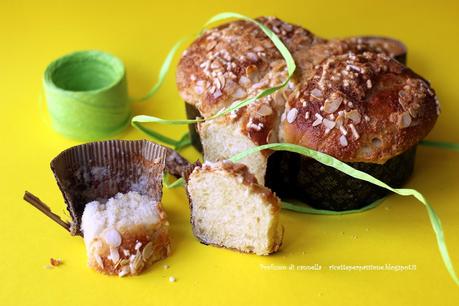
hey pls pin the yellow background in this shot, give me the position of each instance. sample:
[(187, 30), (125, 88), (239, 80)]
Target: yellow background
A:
[(140, 33)]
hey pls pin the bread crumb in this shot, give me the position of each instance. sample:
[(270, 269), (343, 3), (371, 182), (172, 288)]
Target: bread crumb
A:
[(166, 267), (172, 279), (55, 262)]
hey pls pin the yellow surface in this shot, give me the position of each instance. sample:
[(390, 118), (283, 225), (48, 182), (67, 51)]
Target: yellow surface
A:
[(141, 32)]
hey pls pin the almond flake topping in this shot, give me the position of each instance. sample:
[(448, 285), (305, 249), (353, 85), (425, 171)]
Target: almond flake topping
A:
[(332, 103), (291, 115), (343, 141), (329, 124), (354, 115), (316, 93), (404, 120)]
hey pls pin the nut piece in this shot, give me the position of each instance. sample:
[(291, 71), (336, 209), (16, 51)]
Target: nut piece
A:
[(136, 263), (343, 141), (99, 261), (332, 103), (147, 251), (291, 115), (354, 115), (329, 124), (114, 254), (404, 120), (264, 110)]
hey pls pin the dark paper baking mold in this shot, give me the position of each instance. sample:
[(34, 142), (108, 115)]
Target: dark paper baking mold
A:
[(294, 176)]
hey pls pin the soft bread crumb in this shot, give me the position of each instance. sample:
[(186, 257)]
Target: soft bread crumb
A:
[(221, 140), (229, 209), (125, 234), (121, 211)]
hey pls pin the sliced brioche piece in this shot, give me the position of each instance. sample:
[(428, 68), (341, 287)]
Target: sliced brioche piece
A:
[(230, 209), (126, 234)]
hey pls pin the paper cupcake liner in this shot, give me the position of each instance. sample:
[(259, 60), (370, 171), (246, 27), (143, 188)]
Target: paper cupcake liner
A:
[(294, 176), (99, 170)]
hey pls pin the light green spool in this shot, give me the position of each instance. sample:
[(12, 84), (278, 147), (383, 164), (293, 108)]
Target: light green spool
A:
[(86, 95)]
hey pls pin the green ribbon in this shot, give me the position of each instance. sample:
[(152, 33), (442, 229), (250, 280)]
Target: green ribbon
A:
[(441, 144), (345, 168)]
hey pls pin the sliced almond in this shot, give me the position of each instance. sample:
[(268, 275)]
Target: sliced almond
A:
[(354, 115), (244, 81), (404, 120), (136, 263), (329, 124), (239, 93), (99, 261), (291, 115), (343, 141), (147, 251), (211, 45), (332, 103), (316, 93), (114, 254), (252, 73), (264, 110)]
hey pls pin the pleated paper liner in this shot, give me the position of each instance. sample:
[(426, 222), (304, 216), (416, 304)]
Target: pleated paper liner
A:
[(99, 170), (294, 176)]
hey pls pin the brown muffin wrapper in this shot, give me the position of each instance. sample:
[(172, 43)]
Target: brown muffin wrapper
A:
[(99, 170), (293, 176), (176, 164)]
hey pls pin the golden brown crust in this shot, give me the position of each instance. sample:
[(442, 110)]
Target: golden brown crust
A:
[(392, 107), (361, 108), (230, 62), (140, 247)]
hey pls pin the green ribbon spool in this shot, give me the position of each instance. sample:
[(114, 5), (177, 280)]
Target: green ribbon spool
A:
[(86, 95)]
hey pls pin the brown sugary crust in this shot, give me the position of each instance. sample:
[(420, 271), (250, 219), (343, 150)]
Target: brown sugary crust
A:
[(158, 236), (361, 108), (231, 61), (237, 60), (242, 173)]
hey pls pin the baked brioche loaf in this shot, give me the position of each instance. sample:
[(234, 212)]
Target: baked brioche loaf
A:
[(126, 234), (230, 209), (348, 97)]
